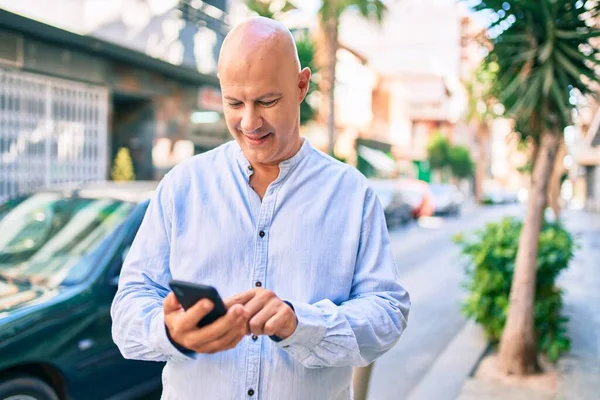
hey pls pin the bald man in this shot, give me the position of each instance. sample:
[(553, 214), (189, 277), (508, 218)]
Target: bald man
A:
[(295, 241)]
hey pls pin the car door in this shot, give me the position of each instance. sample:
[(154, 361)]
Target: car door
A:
[(107, 372), (141, 375)]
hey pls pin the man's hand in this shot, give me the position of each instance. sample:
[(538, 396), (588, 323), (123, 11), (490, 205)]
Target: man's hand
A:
[(223, 334), (269, 315)]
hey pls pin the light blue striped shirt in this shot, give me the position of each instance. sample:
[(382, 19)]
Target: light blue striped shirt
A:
[(325, 249)]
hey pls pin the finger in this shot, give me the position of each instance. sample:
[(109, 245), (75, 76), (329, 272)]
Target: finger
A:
[(195, 313), (226, 342), (257, 323), (282, 321), (170, 304), (240, 298), (235, 319), (258, 302)]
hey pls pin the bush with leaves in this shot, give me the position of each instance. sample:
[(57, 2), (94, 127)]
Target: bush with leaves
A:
[(492, 252), (438, 152), (449, 159), (461, 164)]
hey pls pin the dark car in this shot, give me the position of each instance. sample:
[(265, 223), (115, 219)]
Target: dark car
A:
[(397, 210), (61, 253)]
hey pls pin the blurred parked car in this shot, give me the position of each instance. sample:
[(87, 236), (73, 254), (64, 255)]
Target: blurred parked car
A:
[(418, 195), (61, 253), (397, 211), (500, 196), (447, 199)]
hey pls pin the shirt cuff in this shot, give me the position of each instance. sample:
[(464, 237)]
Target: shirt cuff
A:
[(310, 330), (161, 342)]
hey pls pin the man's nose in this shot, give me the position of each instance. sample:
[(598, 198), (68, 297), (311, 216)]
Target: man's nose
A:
[(251, 120)]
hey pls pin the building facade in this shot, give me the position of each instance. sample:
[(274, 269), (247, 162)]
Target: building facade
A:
[(79, 81)]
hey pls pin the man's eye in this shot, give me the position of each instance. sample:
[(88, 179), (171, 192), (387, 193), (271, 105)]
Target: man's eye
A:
[(267, 103), (235, 105)]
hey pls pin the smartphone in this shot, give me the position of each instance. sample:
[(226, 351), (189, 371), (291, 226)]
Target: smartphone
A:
[(188, 294)]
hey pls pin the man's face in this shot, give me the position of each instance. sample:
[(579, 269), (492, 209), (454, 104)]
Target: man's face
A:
[(261, 104)]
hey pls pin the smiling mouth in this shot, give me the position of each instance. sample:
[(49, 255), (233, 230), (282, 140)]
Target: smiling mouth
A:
[(258, 139)]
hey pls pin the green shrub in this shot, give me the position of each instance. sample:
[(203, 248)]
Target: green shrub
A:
[(491, 253)]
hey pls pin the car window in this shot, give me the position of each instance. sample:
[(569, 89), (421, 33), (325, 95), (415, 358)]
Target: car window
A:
[(47, 236)]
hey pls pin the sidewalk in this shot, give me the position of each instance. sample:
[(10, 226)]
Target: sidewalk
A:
[(578, 373)]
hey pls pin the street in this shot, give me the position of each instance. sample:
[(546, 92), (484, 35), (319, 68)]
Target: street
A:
[(431, 271)]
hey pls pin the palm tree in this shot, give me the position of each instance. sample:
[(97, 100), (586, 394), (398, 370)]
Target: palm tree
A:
[(269, 9), (542, 52), (330, 13), (479, 115)]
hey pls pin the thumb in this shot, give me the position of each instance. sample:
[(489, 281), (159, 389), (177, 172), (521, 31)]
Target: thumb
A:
[(170, 304)]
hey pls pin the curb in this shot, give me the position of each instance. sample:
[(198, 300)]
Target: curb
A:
[(447, 375)]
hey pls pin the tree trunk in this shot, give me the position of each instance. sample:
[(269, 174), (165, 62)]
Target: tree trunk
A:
[(555, 180), (481, 165), (361, 378), (518, 345), (331, 43)]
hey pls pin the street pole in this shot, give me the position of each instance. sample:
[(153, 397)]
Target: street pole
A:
[(361, 378)]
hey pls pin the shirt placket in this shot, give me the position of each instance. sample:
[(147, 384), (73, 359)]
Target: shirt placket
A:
[(259, 274)]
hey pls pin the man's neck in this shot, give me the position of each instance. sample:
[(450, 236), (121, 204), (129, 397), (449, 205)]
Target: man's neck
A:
[(265, 174), (262, 177)]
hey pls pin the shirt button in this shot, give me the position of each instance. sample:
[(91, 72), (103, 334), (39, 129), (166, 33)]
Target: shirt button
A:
[(254, 337), (250, 392), (261, 233), (250, 168), (258, 284)]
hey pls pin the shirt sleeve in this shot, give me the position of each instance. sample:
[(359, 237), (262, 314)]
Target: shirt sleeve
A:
[(138, 326), (361, 329)]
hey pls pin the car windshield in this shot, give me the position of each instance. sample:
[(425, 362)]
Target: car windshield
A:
[(441, 189), (46, 237), (413, 195)]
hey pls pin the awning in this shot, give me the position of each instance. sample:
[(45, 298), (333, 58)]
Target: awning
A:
[(378, 159)]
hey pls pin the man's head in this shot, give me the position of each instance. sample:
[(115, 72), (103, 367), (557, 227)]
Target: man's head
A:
[(262, 87)]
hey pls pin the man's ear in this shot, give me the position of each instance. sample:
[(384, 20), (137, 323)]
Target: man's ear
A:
[(303, 83)]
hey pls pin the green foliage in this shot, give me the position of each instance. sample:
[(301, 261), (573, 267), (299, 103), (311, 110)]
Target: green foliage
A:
[(372, 9), (461, 164), (526, 168), (270, 9), (444, 157), (492, 252), (306, 55), (479, 101), (438, 152), (541, 52), (123, 166)]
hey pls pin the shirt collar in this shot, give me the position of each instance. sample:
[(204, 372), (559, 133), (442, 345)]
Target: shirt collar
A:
[(284, 166)]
